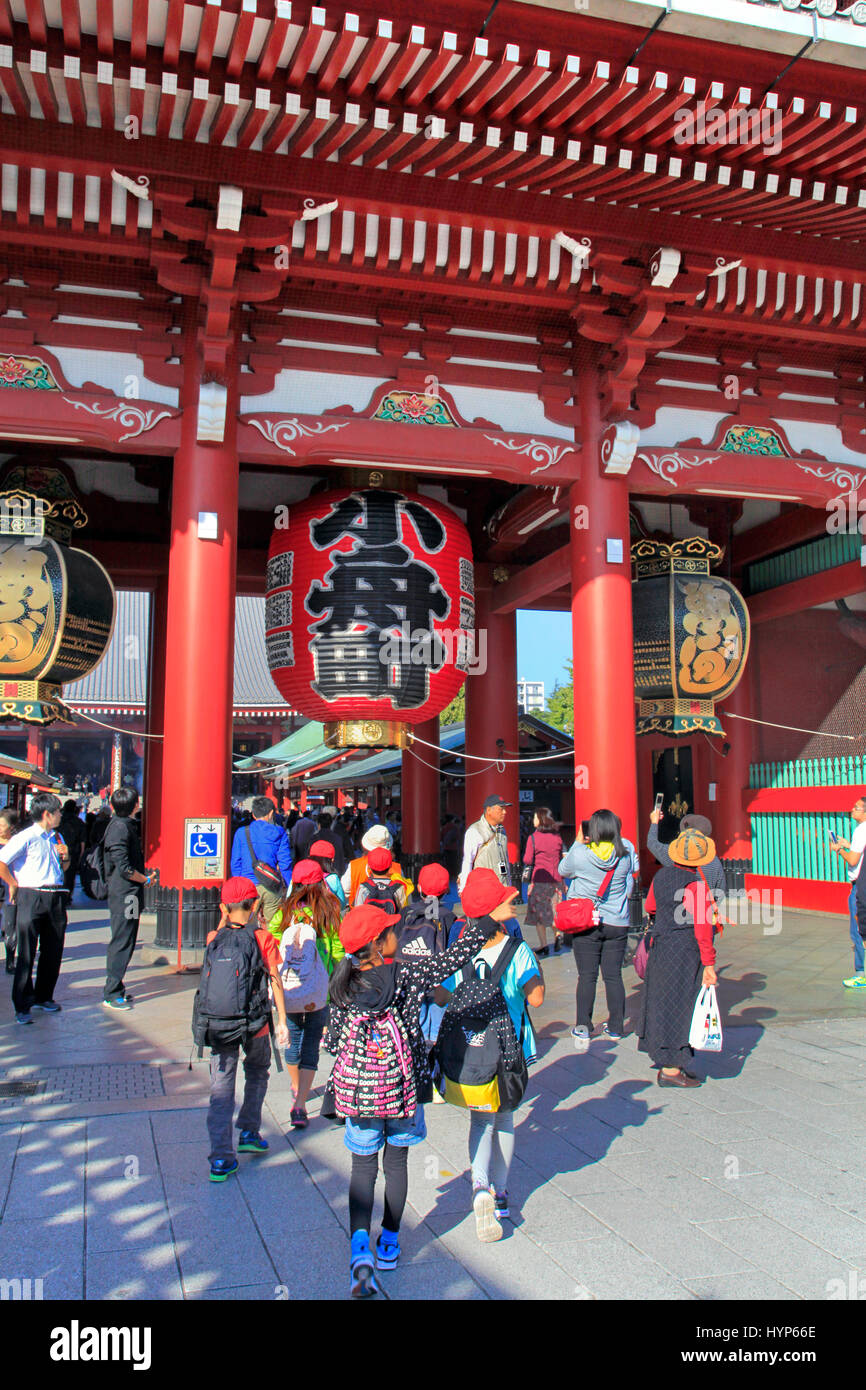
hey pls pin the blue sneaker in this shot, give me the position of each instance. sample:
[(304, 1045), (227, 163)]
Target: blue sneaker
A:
[(388, 1250), (23, 1018), (48, 1005), (363, 1283), (222, 1168), (251, 1142), (119, 1003)]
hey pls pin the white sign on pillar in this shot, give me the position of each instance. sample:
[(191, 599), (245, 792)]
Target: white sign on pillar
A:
[(204, 847)]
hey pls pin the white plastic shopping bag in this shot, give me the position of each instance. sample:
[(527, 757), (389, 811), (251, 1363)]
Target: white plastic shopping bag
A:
[(705, 1034)]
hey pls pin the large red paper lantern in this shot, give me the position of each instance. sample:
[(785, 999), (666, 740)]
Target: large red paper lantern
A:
[(370, 611)]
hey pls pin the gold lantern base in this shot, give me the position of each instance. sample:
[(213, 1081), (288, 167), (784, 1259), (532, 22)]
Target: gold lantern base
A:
[(677, 718), (32, 702), (365, 733)]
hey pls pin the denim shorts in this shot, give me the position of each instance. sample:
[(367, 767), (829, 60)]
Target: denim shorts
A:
[(367, 1136), (305, 1036)]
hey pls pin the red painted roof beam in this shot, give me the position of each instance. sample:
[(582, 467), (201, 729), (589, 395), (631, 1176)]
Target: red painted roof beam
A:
[(275, 41), (370, 59), (240, 40), (338, 55), (462, 76), (419, 87), (306, 48)]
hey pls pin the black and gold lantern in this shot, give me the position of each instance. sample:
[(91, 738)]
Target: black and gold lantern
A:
[(691, 636), (57, 603)]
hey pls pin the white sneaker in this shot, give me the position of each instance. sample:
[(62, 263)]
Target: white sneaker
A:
[(581, 1039), (487, 1226)]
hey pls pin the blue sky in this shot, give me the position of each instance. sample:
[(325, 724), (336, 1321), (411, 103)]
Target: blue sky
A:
[(543, 646)]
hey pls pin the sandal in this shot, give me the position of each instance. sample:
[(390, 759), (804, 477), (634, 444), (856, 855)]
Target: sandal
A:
[(298, 1118)]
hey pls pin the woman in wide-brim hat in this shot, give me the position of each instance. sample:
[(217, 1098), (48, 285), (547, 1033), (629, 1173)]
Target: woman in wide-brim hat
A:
[(680, 961)]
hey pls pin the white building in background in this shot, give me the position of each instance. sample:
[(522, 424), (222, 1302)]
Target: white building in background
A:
[(530, 696)]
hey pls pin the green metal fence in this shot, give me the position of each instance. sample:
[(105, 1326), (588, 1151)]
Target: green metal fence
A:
[(810, 772), (811, 558), (797, 844)]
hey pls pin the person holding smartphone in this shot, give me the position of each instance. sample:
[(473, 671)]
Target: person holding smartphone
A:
[(126, 876), (32, 866), (852, 852)]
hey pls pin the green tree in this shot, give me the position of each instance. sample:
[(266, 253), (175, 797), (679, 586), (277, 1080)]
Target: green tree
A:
[(455, 713), (560, 703)]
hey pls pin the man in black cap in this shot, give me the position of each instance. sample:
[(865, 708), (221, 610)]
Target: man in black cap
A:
[(485, 844)]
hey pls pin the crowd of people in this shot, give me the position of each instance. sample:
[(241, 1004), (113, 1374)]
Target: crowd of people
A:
[(416, 999)]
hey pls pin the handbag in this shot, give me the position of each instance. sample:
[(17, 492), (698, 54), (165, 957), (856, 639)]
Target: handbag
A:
[(265, 875), (705, 1034), (581, 914), (641, 957)]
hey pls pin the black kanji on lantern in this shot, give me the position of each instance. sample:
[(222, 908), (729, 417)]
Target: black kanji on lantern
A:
[(374, 593)]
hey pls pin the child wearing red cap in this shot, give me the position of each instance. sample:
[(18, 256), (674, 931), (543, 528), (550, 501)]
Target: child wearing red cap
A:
[(322, 853), (370, 992), (487, 904), (424, 930), (380, 888), (239, 903), (306, 924)]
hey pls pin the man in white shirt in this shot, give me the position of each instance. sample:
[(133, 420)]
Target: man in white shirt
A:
[(485, 843), (32, 865), (852, 853)]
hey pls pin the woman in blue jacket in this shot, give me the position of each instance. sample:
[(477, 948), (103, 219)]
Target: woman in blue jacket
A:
[(586, 864)]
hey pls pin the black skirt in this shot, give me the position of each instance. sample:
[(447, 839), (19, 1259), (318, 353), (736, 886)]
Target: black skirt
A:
[(674, 975)]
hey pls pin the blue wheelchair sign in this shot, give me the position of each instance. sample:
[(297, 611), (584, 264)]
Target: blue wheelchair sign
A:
[(203, 845)]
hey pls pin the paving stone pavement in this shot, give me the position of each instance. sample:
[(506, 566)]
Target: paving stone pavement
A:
[(749, 1188)]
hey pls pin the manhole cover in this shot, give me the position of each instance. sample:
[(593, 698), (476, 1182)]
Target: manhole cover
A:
[(81, 1085)]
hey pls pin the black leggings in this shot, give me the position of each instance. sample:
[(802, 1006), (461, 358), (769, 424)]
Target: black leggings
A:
[(365, 1168), (604, 947)]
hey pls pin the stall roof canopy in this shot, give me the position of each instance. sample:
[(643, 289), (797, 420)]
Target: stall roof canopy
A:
[(452, 739), (297, 744), (119, 682), (19, 771)]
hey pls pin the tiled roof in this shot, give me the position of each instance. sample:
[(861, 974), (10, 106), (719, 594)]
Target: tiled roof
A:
[(119, 682)]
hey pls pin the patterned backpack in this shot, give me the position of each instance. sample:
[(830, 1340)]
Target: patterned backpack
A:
[(373, 1075), (480, 1060)]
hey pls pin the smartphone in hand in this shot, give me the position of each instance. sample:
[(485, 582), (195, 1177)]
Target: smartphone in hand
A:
[(834, 838)]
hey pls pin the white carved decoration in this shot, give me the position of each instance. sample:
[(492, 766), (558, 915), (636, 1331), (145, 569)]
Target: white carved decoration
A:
[(618, 446), (578, 249), (723, 266), (667, 465), (229, 208), (313, 211), (545, 455), (284, 432), (211, 423), (842, 478), (131, 417), (665, 267), (137, 186)]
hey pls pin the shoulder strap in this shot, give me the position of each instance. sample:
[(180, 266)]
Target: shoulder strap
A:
[(506, 955), (607, 880), (720, 922), (248, 834)]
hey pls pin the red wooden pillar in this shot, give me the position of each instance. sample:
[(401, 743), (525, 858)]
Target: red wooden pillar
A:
[(302, 800), (155, 722), (491, 710), (199, 663), (732, 827), (36, 747), (419, 792), (601, 624)]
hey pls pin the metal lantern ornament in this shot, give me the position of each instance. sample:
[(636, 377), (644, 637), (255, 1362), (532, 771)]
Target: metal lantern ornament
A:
[(691, 636), (370, 612), (57, 604)]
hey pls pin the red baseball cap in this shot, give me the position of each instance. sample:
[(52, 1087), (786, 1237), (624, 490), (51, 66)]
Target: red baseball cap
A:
[(484, 890), (238, 890), (433, 881), (379, 860), (323, 848), (362, 925), (307, 871)]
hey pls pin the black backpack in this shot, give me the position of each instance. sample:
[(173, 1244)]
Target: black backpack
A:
[(417, 936), (384, 896), (94, 880), (480, 1061), (232, 1003)]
